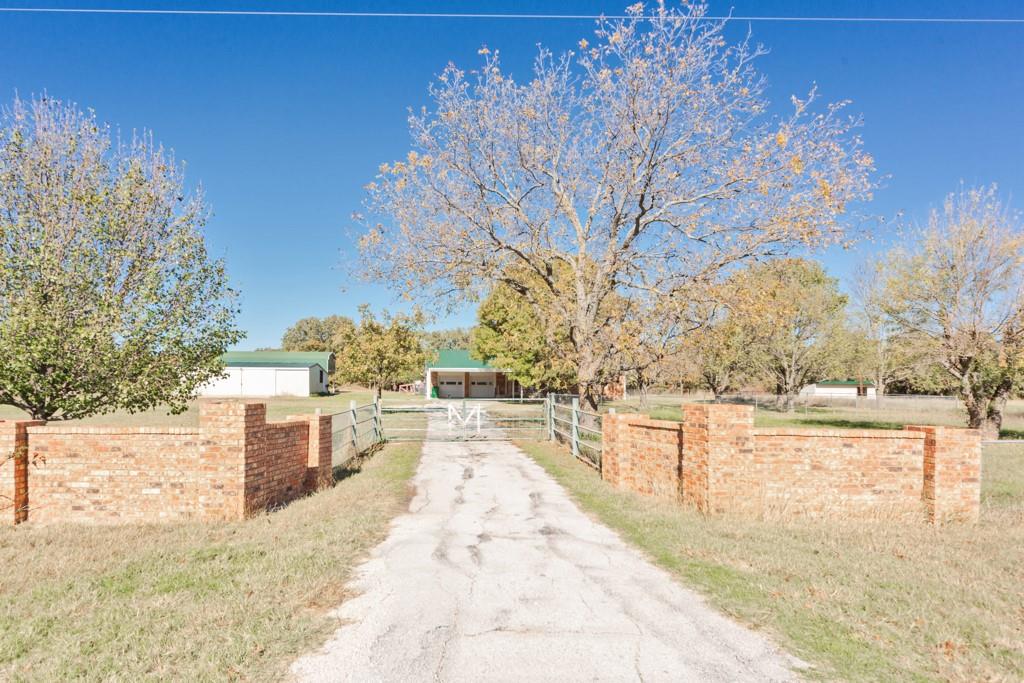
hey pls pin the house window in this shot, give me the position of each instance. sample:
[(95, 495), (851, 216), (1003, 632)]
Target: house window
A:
[(321, 377)]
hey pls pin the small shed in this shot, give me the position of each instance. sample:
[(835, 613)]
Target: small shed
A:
[(840, 388), (272, 373), (455, 374)]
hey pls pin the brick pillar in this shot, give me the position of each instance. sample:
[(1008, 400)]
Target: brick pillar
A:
[(615, 447), (718, 447), (319, 466), (229, 432), (694, 476), (951, 489), (14, 467)]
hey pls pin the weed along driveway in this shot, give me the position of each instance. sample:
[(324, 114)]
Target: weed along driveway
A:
[(495, 574)]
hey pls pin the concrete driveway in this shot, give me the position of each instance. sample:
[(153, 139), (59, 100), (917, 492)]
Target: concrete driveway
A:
[(495, 575)]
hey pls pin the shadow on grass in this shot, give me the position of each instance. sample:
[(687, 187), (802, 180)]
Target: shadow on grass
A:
[(355, 465)]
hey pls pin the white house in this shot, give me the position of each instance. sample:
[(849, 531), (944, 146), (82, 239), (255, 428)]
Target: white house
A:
[(457, 375), (271, 373), (839, 388)]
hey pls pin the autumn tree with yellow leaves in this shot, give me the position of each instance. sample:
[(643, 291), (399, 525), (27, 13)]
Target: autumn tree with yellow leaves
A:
[(793, 318), (957, 287), (643, 163), (381, 351)]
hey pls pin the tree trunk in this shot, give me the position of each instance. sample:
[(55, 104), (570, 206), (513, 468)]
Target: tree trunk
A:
[(642, 386), (589, 395), (716, 384), (993, 418), (984, 413), (589, 388), (983, 416), (988, 424)]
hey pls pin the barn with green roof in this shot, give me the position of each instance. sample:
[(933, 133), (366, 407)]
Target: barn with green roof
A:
[(272, 373)]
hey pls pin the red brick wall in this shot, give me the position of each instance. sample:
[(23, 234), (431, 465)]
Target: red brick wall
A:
[(716, 461), (717, 442), (14, 468), (614, 439), (105, 474), (234, 464), (952, 473), (838, 472), (275, 461), (319, 469), (654, 456)]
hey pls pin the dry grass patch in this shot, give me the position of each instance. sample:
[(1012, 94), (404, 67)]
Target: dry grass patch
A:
[(191, 601), (862, 602)]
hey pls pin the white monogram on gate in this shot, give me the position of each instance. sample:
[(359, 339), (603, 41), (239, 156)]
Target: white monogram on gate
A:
[(457, 419)]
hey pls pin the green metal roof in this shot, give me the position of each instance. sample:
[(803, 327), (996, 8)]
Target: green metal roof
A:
[(459, 358), (845, 383), (279, 359)]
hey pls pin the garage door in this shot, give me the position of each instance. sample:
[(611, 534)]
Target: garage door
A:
[(450, 388), (481, 388)]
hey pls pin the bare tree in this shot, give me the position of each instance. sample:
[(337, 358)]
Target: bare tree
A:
[(885, 353), (643, 163), (957, 285)]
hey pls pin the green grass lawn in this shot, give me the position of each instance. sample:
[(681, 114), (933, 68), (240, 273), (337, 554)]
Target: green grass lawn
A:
[(277, 409), (191, 601), (860, 601)]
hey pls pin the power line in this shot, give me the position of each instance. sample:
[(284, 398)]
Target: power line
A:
[(454, 15)]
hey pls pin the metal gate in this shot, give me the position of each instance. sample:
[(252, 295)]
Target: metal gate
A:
[(470, 419)]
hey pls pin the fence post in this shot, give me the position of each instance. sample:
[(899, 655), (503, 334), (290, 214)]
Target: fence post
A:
[(549, 417), (575, 433), (355, 439), (378, 425)]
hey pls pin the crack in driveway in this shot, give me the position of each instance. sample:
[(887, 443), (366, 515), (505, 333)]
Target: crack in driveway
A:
[(494, 574)]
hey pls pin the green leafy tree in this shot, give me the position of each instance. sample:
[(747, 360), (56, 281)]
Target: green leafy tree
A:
[(645, 162), (508, 335), (721, 354), (381, 352), (793, 315), (455, 338), (108, 298), (316, 334)]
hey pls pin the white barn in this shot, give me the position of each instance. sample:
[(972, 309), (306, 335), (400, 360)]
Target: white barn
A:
[(839, 388), (271, 373)]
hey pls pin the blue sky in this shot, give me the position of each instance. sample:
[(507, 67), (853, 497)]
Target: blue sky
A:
[(283, 120)]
